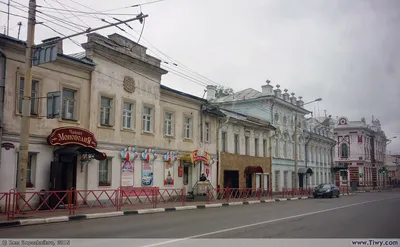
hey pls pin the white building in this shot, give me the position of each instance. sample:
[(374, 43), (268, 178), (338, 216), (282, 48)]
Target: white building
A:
[(319, 148), (280, 110), (117, 125), (360, 153)]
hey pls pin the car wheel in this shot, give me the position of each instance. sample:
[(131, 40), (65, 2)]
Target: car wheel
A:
[(315, 196), (338, 195), (331, 195)]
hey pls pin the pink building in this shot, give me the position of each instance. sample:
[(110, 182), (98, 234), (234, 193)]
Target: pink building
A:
[(360, 154)]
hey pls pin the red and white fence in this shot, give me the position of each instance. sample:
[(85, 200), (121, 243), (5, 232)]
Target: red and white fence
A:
[(15, 204)]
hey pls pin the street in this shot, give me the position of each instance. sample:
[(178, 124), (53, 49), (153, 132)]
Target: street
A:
[(364, 215)]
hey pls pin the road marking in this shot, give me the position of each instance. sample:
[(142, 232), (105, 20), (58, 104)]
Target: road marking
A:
[(266, 222)]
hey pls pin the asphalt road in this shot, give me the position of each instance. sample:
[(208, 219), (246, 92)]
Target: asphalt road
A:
[(366, 215)]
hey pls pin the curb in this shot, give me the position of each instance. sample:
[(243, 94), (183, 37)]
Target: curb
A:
[(39, 221)]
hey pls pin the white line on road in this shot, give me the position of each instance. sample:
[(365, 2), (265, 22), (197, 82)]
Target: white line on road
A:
[(265, 222)]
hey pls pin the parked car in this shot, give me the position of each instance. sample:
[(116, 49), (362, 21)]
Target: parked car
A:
[(326, 190)]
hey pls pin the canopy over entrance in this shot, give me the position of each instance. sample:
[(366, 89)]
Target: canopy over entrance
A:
[(253, 169), (305, 170)]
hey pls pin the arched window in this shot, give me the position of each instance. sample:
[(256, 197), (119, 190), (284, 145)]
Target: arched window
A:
[(344, 150)]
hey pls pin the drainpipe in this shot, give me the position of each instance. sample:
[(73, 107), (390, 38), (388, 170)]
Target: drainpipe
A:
[(2, 89), (219, 151)]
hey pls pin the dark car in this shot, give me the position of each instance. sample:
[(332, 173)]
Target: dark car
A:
[(326, 190)]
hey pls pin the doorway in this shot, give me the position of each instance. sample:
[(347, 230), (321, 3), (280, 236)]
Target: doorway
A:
[(266, 181), (187, 177), (231, 179), (301, 180), (249, 180), (62, 178), (258, 180)]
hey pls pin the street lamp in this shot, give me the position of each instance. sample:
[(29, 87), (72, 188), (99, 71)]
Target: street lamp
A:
[(389, 140), (296, 143)]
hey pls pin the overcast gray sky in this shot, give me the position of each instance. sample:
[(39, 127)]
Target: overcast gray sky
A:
[(346, 52)]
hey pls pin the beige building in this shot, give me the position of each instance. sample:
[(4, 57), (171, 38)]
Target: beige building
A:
[(117, 126)]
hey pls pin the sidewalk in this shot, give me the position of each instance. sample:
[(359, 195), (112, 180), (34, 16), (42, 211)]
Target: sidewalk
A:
[(93, 213)]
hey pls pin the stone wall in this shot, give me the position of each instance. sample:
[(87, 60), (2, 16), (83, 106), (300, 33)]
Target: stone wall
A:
[(239, 163)]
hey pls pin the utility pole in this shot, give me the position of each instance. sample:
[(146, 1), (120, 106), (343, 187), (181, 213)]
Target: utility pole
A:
[(26, 103), (8, 18), (296, 143)]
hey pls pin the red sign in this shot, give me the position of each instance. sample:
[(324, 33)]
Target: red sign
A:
[(70, 136)]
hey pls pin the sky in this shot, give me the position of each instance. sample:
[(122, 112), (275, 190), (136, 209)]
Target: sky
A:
[(345, 52)]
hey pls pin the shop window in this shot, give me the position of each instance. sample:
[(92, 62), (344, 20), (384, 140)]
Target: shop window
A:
[(187, 128), (105, 172), (236, 143), (69, 104), (128, 116), (277, 181), (34, 95), (256, 147), (168, 124), (148, 119), (105, 110), (224, 141), (207, 134), (30, 170)]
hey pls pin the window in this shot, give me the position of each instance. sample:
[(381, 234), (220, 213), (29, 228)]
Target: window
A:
[(224, 141), (236, 143), (168, 123), (256, 147), (294, 180), (285, 179), (147, 119), (30, 170), (187, 128), (34, 95), (127, 115), (105, 172), (344, 151), (208, 132), (265, 148), (68, 105), (246, 145), (105, 110), (276, 148), (277, 181)]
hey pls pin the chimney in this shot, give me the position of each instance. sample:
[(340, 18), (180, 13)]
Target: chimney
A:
[(267, 89), (211, 91), (293, 99), (300, 102), (286, 95), (54, 40), (277, 91)]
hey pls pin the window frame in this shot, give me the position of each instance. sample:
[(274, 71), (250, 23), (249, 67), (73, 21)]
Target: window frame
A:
[(236, 144), (256, 147), (132, 112), (224, 139), (185, 125), (76, 101), (151, 118), (341, 150), (32, 166), (35, 98), (169, 122), (112, 110), (207, 132), (265, 148), (108, 182)]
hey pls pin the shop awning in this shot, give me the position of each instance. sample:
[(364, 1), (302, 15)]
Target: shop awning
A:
[(304, 170), (82, 150), (253, 169)]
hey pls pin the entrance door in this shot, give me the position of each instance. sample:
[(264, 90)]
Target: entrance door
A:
[(301, 180), (56, 184), (266, 181), (258, 181), (249, 180), (187, 177)]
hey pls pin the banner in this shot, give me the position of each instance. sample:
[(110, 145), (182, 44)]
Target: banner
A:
[(208, 172), (127, 173), (147, 173), (169, 174)]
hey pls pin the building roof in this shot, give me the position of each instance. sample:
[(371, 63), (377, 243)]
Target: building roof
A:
[(247, 119), (246, 94), (182, 93), (69, 57)]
